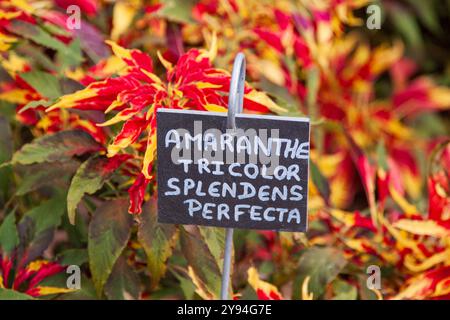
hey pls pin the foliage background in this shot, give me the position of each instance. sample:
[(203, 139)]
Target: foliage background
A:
[(77, 144)]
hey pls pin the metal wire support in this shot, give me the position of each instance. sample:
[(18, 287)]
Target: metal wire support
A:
[(235, 105), (236, 93)]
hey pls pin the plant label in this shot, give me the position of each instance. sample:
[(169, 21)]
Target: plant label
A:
[(251, 177)]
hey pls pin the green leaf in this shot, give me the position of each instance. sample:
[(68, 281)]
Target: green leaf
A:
[(6, 151), (87, 291), (215, 240), (6, 140), (9, 294), (202, 261), (40, 36), (73, 256), (178, 10), (45, 83), (35, 33), (8, 110), (31, 243), (59, 146), (9, 238), (312, 88), (382, 156), (109, 232), (73, 55), (405, 22), (123, 284), (89, 178), (344, 291), (186, 285), (40, 175), (35, 104), (48, 214), (36, 56), (427, 11), (320, 181), (55, 30), (364, 292), (158, 241), (322, 265)]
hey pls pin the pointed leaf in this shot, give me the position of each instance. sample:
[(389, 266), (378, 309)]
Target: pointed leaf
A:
[(36, 34), (109, 232), (89, 178), (6, 150), (322, 265), (6, 141), (9, 294), (201, 260), (320, 181), (60, 146), (45, 83), (73, 256), (48, 214), (178, 10), (215, 240), (158, 241), (9, 237), (123, 284), (40, 175)]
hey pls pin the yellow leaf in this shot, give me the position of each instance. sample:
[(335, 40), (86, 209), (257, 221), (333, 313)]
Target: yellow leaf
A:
[(328, 164), (152, 76), (377, 293), (149, 155), (339, 195), (164, 62), (118, 118), (348, 218), (123, 14), (119, 51), (70, 100), (441, 96), (421, 227), (384, 57), (207, 85), (113, 64), (262, 98), (396, 128), (258, 284), (305, 294), (200, 287), (271, 70), (402, 202), (6, 42), (428, 263), (114, 148), (402, 239), (86, 124), (23, 5), (15, 96), (13, 64), (215, 108), (115, 104), (9, 15), (76, 74), (43, 290), (415, 290), (36, 265)]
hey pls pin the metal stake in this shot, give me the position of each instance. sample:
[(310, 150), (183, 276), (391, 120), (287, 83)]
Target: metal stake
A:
[(235, 105)]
